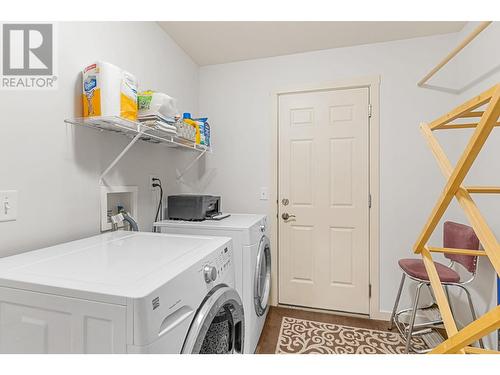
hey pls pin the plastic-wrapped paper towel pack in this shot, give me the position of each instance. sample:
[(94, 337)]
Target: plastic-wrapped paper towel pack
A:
[(153, 103), (109, 91)]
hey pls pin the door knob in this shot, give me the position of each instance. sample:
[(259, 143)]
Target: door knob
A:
[(286, 216)]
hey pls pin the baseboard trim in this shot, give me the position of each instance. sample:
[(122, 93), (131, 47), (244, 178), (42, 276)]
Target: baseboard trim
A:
[(380, 315), (332, 312)]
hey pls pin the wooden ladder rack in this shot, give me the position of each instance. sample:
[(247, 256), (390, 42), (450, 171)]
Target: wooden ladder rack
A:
[(460, 341)]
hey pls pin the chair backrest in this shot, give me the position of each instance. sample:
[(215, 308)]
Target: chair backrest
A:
[(460, 236)]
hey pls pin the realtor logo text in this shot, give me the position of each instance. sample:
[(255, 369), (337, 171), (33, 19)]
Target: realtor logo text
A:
[(28, 56)]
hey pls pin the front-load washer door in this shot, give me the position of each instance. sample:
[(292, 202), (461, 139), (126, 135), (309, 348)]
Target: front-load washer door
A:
[(219, 324), (262, 279)]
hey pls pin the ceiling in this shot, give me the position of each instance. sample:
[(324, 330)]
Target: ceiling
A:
[(210, 42)]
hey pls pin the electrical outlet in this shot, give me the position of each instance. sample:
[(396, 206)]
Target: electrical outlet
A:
[(150, 181), (8, 205)]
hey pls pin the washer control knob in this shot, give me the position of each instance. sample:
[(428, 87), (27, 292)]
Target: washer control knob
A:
[(210, 273)]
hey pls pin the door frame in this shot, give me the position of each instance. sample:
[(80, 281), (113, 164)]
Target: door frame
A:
[(373, 85)]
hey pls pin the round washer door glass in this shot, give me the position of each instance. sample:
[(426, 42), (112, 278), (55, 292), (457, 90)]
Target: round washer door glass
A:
[(218, 326), (262, 281)]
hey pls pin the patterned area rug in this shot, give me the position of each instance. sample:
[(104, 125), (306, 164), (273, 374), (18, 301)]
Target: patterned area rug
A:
[(299, 336)]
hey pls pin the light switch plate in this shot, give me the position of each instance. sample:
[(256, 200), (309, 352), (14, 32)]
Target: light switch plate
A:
[(264, 193), (8, 205)]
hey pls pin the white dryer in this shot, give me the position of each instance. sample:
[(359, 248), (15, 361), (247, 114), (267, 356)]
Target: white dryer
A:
[(122, 292), (252, 258)]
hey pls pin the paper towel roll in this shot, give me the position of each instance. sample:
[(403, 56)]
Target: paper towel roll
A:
[(109, 91), (111, 81)]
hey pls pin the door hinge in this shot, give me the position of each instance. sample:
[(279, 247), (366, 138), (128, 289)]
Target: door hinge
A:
[(369, 290), (369, 201), (369, 110)]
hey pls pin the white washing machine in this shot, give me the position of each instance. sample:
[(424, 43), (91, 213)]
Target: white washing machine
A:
[(122, 292), (252, 258)]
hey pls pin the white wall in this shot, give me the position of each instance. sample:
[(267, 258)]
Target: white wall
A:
[(54, 166)]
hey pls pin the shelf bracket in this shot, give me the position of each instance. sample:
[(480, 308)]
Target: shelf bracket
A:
[(189, 166), (120, 155)]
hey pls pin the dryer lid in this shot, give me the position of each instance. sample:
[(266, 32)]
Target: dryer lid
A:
[(246, 226), (125, 264), (233, 222)]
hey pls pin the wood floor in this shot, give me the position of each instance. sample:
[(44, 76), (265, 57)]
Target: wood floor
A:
[(270, 333)]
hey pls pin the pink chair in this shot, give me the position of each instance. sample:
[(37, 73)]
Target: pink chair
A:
[(455, 235)]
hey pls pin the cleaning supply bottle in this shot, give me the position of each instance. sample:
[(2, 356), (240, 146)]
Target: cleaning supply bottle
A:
[(207, 133), (204, 130), (188, 120)]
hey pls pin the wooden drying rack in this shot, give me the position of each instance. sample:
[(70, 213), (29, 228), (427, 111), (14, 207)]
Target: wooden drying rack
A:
[(483, 25), (486, 120)]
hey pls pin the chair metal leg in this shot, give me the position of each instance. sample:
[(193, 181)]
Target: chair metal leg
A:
[(472, 310), (396, 303), (449, 299), (412, 319), (431, 292)]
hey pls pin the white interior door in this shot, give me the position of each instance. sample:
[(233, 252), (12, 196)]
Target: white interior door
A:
[(324, 175)]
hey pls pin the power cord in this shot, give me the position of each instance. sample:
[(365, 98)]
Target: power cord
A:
[(157, 183)]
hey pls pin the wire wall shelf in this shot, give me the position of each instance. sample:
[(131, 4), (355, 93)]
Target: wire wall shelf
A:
[(132, 129), (137, 131)]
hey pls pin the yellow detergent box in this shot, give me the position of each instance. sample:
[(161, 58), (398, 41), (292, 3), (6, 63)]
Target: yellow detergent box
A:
[(195, 125), (109, 91)]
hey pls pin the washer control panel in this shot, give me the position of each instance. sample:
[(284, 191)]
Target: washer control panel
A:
[(258, 230), (210, 273), (263, 225), (218, 265)]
